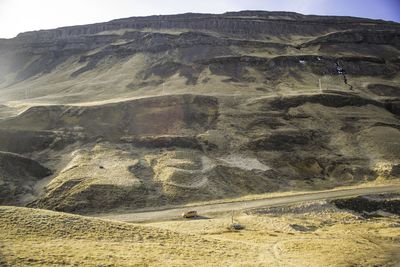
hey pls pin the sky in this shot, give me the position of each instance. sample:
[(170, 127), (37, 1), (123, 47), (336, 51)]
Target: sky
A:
[(25, 15)]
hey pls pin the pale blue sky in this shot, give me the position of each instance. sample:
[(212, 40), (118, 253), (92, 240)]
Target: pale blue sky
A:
[(24, 15)]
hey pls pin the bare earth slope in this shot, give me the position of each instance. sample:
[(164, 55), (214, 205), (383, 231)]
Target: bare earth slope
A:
[(164, 110)]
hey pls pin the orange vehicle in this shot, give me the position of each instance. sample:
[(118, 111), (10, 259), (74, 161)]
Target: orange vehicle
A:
[(189, 214)]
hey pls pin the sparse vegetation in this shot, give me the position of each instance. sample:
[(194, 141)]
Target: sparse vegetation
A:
[(144, 113), (313, 234)]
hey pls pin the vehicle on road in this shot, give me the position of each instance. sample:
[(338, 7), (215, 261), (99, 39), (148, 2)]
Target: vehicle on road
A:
[(189, 214)]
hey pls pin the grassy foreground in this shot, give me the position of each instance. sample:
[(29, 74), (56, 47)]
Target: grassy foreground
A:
[(315, 235), (44, 238)]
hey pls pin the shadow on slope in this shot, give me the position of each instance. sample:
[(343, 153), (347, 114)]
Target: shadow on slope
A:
[(18, 175)]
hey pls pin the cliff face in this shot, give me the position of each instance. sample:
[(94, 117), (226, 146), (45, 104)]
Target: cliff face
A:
[(158, 110), (268, 44), (236, 23), (191, 44)]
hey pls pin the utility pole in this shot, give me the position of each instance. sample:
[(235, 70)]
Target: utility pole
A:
[(163, 88)]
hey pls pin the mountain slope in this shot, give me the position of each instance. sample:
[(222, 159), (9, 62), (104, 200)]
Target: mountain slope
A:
[(161, 110), (259, 52)]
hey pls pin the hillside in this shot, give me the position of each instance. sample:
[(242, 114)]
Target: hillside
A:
[(162, 110), (310, 234), (67, 240)]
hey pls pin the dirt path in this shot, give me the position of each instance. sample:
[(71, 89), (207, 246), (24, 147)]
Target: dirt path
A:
[(175, 213)]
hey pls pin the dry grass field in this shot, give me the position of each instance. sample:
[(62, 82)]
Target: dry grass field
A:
[(307, 234)]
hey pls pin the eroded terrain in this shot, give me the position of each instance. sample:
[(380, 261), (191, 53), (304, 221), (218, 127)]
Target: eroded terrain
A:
[(164, 111)]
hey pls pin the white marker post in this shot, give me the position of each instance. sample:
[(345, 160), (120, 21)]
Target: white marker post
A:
[(320, 85)]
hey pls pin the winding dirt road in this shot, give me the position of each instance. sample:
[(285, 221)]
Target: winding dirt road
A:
[(175, 213)]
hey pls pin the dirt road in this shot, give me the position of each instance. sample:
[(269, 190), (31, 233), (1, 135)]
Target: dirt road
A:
[(175, 213)]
